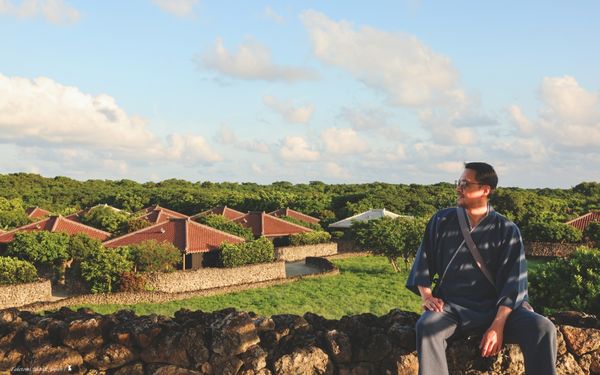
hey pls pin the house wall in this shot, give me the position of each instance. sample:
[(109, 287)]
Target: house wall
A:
[(23, 294), (294, 253), (208, 278)]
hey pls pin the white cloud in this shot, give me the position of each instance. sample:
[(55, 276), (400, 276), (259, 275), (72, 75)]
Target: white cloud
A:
[(451, 167), (44, 113), (180, 8), (291, 113), (251, 61), (297, 149), (274, 16), (343, 141), (255, 146), (569, 116), (398, 153), (336, 171), (400, 65), (226, 136), (55, 11), (366, 118)]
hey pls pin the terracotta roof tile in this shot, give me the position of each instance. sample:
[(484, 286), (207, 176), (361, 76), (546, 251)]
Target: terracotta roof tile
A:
[(36, 212), (263, 224), (295, 214), (185, 234), (228, 212), (157, 214), (57, 224), (583, 221)]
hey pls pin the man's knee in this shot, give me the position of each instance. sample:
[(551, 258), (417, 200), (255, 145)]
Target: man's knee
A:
[(431, 324), (545, 327)]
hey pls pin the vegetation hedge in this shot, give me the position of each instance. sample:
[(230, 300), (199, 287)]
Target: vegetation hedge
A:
[(16, 271), (48, 251), (568, 284), (102, 269), (551, 231), (313, 226), (309, 238), (258, 251), (154, 256), (223, 224), (107, 219), (592, 232)]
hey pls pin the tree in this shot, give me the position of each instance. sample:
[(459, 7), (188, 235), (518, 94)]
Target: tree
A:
[(44, 249), (16, 271), (592, 232), (551, 232), (103, 268), (392, 238), (12, 213), (223, 224), (106, 218), (153, 256)]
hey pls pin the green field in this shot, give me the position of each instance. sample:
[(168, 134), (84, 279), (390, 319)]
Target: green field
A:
[(365, 284)]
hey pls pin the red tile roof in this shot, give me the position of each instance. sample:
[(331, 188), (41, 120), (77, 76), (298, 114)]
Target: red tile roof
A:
[(582, 222), (295, 214), (157, 214), (36, 212), (263, 224), (185, 234), (57, 224), (229, 213)]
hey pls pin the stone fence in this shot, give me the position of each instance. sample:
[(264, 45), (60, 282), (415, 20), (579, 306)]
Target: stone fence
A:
[(23, 294), (294, 253), (234, 342), (550, 249), (209, 278)]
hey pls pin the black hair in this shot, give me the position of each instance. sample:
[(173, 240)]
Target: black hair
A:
[(484, 173)]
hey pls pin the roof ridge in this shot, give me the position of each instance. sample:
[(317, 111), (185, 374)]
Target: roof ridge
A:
[(135, 232), (216, 230), (288, 222), (83, 225)]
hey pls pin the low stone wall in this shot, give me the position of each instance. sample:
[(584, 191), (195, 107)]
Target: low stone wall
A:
[(549, 249), (349, 246), (234, 342), (209, 278), (294, 253), (23, 294)]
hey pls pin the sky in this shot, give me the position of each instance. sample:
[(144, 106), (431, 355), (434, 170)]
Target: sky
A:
[(400, 91)]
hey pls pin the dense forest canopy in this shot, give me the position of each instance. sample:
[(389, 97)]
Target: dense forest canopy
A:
[(329, 202)]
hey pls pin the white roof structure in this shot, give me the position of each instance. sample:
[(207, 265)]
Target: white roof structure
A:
[(365, 216)]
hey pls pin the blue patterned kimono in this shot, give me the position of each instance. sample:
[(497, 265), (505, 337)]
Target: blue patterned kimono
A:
[(463, 286)]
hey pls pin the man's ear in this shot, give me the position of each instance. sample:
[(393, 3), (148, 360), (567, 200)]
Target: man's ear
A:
[(487, 190)]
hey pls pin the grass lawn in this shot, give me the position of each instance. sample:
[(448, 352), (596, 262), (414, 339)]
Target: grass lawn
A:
[(365, 284)]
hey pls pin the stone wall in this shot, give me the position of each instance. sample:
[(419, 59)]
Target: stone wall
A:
[(23, 294), (549, 249), (294, 253), (233, 342), (209, 278)]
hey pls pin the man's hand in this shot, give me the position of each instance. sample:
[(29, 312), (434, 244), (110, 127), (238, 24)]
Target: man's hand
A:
[(432, 303), (491, 343)]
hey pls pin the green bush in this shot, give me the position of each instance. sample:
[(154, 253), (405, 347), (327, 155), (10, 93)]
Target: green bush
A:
[(551, 231), (223, 224), (81, 246), (313, 226), (592, 232), (309, 238), (131, 282), (106, 218), (103, 268), (12, 213), (46, 250), (568, 284), (337, 235), (258, 251), (16, 271), (153, 256)]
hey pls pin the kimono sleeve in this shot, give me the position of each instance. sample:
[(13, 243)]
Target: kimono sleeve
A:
[(423, 268), (511, 278)]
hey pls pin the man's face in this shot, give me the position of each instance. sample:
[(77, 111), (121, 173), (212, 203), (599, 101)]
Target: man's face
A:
[(471, 193)]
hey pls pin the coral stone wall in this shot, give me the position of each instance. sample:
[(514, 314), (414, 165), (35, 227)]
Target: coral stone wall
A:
[(209, 278), (294, 253), (234, 342), (23, 294), (549, 249)]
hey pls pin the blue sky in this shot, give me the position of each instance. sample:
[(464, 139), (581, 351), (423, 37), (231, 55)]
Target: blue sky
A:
[(337, 91)]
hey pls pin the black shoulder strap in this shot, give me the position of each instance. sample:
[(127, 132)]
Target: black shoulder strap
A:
[(471, 245)]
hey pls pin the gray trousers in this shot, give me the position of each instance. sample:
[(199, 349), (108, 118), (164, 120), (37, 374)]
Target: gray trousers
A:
[(535, 334)]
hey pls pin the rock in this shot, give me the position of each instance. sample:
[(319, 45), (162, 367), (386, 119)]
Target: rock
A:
[(167, 349), (192, 341), (465, 355), (226, 365), (403, 363), (567, 365), (561, 345), (174, 370), (84, 335), (133, 369), (403, 318), (311, 360), (255, 359), (109, 357), (575, 319), (512, 360), (581, 340), (234, 334), (338, 346), (10, 317), (374, 349), (403, 335), (358, 369), (55, 360), (36, 336), (318, 322), (9, 358), (590, 363)]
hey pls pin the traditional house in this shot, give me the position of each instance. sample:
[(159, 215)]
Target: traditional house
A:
[(364, 216), (157, 214), (225, 211), (294, 214), (263, 224), (37, 213), (583, 221), (197, 242), (56, 224)]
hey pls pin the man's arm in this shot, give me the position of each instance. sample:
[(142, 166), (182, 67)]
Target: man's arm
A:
[(429, 302), (491, 342)]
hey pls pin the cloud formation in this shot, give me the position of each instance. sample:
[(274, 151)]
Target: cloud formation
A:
[(296, 148), (252, 61), (293, 114), (54, 11), (274, 16), (44, 113), (180, 8), (343, 141), (398, 64)]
